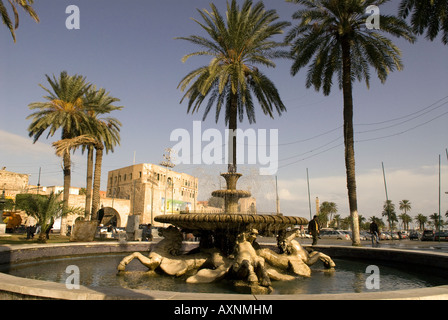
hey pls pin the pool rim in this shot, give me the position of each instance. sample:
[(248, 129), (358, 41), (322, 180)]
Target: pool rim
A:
[(12, 287)]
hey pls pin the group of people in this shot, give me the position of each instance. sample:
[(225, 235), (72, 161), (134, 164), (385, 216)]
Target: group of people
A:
[(314, 229), (32, 227)]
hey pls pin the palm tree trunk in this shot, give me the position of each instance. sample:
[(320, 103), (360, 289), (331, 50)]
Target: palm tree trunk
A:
[(232, 131), (97, 180), (67, 163), (89, 182), (349, 140)]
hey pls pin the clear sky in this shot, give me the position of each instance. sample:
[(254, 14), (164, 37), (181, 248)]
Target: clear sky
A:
[(128, 47)]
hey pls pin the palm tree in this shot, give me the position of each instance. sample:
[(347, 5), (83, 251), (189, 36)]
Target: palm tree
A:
[(421, 220), (437, 221), (327, 209), (107, 130), (430, 16), (334, 36), (45, 209), (64, 110), (405, 220), (237, 44), (405, 205), (389, 212), (336, 220), (26, 5)]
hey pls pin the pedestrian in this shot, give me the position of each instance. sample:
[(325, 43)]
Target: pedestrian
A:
[(30, 224), (313, 228), (374, 232)]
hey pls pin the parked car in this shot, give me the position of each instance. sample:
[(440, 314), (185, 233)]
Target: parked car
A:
[(414, 235), (364, 235), (333, 234), (403, 235), (442, 235), (428, 235), (385, 236)]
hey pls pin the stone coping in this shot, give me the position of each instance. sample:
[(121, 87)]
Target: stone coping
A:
[(12, 287)]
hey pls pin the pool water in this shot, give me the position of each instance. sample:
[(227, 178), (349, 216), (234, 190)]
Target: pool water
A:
[(349, 276)]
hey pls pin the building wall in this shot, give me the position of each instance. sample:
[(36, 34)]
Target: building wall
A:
[(147, 185), (13, 183)]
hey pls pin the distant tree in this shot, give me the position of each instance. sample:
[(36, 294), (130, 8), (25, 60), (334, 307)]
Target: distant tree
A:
[(438, 223), (405, 220), (405, 205), (326, 211), (421, 220), (389, 213)]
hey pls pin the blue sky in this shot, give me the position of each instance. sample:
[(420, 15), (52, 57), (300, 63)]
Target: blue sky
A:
[(128, 47)]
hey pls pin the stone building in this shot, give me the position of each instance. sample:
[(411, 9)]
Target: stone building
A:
[(13, 183), (153, 190)]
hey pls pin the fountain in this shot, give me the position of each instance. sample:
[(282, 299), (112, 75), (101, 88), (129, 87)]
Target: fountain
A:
[(228, 247)]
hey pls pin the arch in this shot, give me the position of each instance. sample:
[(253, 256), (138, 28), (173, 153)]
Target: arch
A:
[(108, 215)]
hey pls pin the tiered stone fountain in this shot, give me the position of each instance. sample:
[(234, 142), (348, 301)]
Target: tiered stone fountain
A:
[(228, 247)]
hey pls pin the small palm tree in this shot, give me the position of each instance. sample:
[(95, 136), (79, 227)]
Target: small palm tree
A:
[(236, 44), (430, 16), (333, 38), (26, 5), (45, 209), (64, 110)]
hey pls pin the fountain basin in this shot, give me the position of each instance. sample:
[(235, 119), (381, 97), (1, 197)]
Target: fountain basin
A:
[(211, 222), (16, 287)]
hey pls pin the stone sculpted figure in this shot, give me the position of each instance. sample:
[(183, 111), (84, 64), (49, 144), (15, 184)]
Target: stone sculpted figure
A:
[(166, 255), (294, 257)]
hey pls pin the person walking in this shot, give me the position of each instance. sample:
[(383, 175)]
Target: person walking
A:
[(374, 232), (313, 228), (30, 224)]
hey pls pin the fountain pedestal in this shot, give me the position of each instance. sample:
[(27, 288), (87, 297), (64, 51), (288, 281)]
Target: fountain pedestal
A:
[(231, 195)]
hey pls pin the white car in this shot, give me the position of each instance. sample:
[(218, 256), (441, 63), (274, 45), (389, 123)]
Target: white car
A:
[(334, 234)]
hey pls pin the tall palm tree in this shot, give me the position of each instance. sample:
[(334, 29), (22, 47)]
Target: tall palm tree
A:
[(26, 5), (333, 35), (421, 220), (430, 16), (237, 44), (63, 110), (107, 129)]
